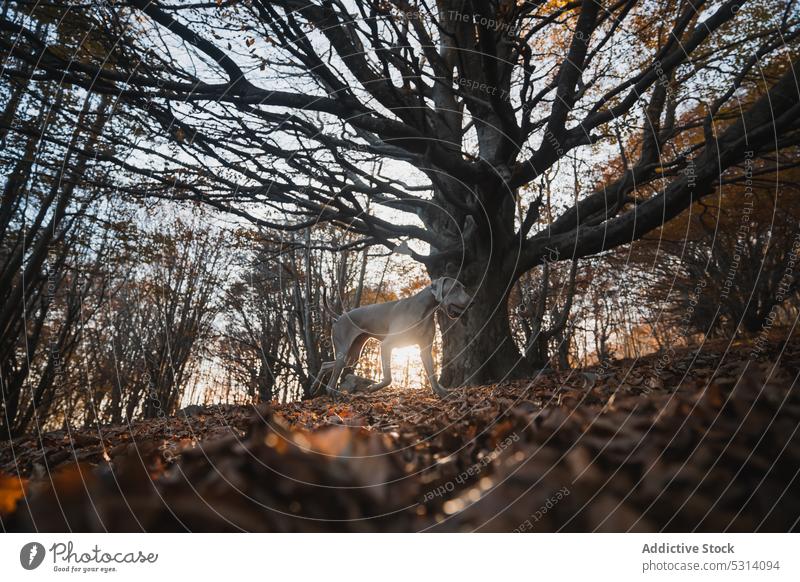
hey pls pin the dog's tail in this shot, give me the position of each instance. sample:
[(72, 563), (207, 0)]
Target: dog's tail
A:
[(327, 305)]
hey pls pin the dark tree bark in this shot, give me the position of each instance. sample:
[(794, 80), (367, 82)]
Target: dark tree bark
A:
[(478, 347)]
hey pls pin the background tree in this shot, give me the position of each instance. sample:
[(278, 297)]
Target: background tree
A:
[(730, 256), (47, 238), (148, 342)]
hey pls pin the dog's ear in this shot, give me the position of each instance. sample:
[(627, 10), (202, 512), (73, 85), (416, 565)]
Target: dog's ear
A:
[(438, 289)]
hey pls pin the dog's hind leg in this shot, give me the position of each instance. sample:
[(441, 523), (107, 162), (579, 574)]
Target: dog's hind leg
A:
[(319, 381), (343, 335), (354, 353), (348, 366), (333, 382), (386, 360)]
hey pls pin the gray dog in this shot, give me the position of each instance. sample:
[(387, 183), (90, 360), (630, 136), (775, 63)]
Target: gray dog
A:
[(395, 324)]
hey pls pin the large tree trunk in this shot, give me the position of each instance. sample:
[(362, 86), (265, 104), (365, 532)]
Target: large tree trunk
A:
[(477, 348)]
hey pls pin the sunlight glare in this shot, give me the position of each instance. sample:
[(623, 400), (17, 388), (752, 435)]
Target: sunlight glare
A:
[(407, 370)]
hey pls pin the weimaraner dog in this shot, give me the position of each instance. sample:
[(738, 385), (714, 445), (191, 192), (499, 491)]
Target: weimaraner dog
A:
[(395, 324)]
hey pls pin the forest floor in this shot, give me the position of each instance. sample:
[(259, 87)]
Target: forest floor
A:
[(698, 439)]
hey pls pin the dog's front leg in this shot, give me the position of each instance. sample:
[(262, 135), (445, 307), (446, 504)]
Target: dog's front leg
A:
[(427, 361), (386, 360)]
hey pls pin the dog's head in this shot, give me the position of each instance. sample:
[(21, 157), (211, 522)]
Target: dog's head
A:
[(451, 296)]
